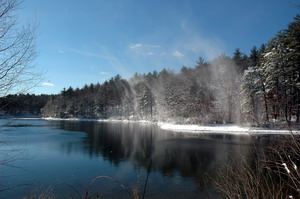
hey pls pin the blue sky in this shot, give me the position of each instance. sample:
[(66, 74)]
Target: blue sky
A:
[(82, 42)]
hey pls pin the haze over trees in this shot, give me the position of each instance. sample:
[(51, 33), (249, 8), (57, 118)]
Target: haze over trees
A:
[(256, 88)]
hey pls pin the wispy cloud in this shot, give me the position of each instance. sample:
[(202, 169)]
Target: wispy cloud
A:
[(151, 46), (145, 49), (103, 53), (90, 54), (178, 54), (135, 46), (139, 45), (103, 73), (48, 84), (61, 51)]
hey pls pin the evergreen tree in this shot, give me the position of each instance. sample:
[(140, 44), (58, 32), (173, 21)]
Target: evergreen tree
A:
[(254, 56), (240, 60)]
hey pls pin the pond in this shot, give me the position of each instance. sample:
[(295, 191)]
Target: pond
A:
[(65, 156)]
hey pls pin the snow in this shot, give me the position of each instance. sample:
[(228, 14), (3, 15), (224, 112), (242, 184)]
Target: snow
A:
[(233, 129), (217, 128), (286, 168), (267, 54), (295, 166), (225, 128)]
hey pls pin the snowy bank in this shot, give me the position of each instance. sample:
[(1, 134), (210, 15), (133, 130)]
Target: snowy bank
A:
[(233, 129), (216, 128), (224, 128)]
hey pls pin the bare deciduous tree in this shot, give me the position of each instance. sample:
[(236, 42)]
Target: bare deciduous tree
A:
[(17, 51)]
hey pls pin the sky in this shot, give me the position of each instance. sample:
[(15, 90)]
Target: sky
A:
[(88, 41)]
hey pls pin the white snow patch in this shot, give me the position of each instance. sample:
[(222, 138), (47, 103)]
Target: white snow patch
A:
[(286, 168), (267, 54), (224, 128), (295, 166), (231, 129)]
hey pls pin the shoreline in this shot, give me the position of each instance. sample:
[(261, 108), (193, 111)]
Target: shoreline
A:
[(227, 129), (231, 129)]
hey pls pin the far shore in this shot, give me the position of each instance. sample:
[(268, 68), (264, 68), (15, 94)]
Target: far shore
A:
[(211, 128)]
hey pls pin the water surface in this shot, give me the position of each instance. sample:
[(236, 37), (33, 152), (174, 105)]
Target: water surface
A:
[(67, 155)]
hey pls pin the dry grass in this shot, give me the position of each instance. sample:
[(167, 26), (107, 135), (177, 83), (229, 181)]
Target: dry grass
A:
[(48, 193), (135, 193), (273, 173), (88, 195)]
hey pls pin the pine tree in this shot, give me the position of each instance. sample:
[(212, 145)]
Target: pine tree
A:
[(240, 60), (254, 56)]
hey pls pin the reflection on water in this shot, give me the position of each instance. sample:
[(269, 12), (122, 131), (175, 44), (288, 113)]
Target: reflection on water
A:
[(190, 155), (183, 164)]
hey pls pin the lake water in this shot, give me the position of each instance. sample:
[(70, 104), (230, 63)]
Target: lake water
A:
[(67, 155)]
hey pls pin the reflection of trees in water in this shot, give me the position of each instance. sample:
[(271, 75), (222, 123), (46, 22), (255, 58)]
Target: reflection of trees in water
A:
[(115, 142), (190, 155)]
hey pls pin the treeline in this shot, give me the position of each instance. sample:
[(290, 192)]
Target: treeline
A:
[(258, 88), (22, 105)]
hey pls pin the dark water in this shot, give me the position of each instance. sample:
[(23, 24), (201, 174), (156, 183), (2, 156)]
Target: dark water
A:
[(66, 156)]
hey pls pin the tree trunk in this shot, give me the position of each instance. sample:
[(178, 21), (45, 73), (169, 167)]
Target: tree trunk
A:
[(230, 108), (265, 99), (297, 114), (298, 107)]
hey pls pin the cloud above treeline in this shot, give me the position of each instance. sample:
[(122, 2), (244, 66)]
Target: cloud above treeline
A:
[(48, 84), (145, 49), (176, 53), (103, 73), (138, 45)]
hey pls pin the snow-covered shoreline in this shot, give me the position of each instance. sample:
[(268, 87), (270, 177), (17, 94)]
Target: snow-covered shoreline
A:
[(226, 129), (211, 129)]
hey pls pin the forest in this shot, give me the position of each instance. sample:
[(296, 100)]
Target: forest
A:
[(21, 105), (258, 89)]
